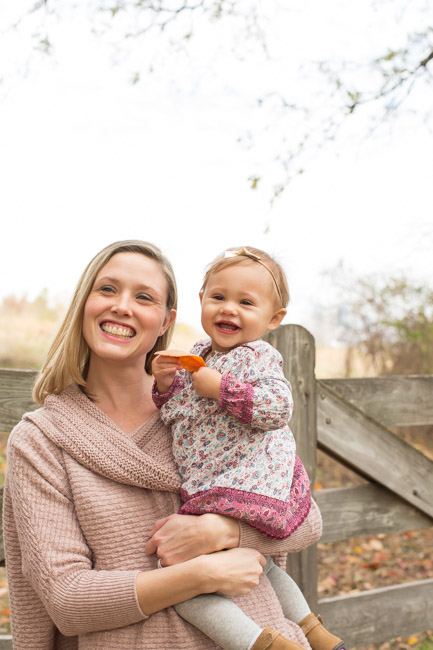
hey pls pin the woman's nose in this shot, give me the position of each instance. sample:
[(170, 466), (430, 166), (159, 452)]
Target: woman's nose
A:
[(122, 306)]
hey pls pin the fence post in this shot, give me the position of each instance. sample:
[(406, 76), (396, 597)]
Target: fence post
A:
[(297, 347)]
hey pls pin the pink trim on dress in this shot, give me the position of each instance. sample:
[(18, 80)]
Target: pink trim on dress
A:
[(273, 517), (161, 398), (237, 398)]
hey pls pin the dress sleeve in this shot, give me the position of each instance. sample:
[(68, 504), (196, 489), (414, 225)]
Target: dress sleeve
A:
[(161, 398), (258, 394), (309, 532), (55, 559)]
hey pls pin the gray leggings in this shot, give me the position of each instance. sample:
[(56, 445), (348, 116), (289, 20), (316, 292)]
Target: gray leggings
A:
[(226, 624)]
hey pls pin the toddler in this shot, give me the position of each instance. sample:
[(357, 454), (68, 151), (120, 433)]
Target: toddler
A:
[(231, 441)]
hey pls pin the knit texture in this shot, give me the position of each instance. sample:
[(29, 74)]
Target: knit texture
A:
[(80, 499)]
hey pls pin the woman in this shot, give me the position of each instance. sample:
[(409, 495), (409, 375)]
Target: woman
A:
[(91, 485)]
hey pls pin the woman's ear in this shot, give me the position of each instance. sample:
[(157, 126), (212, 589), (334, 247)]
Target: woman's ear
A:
[(169, 319), (276, 319)]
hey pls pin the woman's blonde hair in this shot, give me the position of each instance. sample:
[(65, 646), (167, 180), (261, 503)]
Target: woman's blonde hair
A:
[(68, 357), (238, 255)]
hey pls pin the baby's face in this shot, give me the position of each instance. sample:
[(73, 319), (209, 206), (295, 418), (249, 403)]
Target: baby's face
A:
[(239, 304)]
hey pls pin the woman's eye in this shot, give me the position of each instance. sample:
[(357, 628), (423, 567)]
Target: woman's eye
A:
[(106, 289), (144, 296)]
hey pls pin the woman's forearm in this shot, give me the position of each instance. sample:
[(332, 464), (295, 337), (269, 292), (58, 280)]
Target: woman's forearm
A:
[(168, 586), (309, 532), (232, 573)]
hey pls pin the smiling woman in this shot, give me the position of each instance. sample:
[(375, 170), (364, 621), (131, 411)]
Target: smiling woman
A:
[(123, 316), (91, 486), (105, 279)]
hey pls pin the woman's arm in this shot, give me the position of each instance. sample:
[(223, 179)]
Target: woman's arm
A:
[(309, 532), (45, 547), (232, 573), (179, 538)]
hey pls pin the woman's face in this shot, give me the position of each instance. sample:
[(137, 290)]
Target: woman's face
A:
[(126, 309)]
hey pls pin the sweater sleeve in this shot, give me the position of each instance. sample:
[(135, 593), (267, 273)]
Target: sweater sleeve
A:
[(309, 532), (56, 560)]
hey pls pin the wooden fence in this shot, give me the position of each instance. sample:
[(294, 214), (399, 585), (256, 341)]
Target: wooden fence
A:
[(348, 419)]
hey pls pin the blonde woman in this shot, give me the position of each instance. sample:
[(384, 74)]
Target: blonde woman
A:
[(91, 484)]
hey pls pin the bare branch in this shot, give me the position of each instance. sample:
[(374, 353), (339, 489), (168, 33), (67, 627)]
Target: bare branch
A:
[(426, 61), (172, 15)]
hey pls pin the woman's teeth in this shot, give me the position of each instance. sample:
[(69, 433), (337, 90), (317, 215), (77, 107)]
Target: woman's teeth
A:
[(120, 332)]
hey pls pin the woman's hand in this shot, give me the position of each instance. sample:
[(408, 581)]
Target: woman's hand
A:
[(234, 572), (179, 538)]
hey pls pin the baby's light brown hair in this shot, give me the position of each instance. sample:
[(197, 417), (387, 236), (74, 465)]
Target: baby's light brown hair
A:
[(233, 256)]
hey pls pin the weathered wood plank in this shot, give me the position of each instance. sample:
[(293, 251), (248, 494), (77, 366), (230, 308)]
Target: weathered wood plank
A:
[(392, 401), (380, 614), (365, 510), (15, 396), (297, 347), (2, 551), (357, 440), (5, 642)]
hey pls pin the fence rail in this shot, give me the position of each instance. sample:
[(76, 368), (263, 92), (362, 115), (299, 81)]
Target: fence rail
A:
[(349, 420)]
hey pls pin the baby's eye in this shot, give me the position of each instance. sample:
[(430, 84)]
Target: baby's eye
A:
[(246, 302), (218, 296)]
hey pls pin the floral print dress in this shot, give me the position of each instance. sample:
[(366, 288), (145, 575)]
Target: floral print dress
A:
[(237, 455)]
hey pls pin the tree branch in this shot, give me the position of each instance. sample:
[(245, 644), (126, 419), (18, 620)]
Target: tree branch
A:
[(426, 61)]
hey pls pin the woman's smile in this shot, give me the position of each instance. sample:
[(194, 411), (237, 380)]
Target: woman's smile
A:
[(117, 331)]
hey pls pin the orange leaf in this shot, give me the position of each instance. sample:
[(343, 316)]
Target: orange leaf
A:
[(191, 362), (412, 640)]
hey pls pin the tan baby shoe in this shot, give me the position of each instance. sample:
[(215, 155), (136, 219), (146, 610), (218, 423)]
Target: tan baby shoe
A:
[(271, 639), (318, 636)]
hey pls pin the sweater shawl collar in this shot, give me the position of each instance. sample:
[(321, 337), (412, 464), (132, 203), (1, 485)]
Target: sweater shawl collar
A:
[(79, 427)]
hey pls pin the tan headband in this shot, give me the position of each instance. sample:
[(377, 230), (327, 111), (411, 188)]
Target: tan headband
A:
[(246, 253)]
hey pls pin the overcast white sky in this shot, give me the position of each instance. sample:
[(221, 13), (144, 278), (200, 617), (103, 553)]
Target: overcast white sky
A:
[(87, 158)]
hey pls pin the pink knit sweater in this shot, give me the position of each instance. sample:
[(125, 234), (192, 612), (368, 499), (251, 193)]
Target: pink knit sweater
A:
[(80, 498)]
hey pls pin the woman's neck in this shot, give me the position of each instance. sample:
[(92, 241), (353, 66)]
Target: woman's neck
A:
[(124, 394)]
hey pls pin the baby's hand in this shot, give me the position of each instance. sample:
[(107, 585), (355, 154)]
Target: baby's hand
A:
[(207, 382), (164, 370)]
